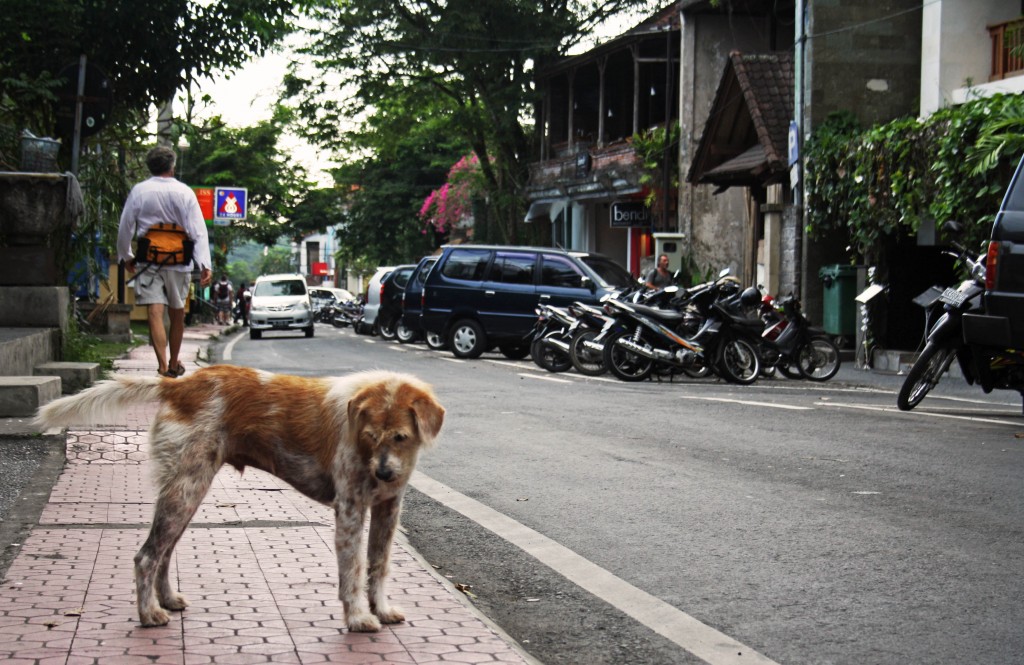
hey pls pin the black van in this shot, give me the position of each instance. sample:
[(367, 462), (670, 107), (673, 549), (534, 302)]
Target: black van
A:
[(410, 328), (481, 296), (1003, 322), (391, 289)]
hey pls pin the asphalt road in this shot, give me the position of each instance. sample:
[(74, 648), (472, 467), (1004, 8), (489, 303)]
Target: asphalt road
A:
[(604, 522)]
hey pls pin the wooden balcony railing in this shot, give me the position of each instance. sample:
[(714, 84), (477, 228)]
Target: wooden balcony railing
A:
[(1007, 49)]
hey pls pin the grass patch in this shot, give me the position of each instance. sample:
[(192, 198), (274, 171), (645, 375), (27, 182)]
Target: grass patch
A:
[(80, 346)]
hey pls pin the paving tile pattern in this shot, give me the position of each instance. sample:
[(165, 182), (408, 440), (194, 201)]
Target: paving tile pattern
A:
[(257, 565)]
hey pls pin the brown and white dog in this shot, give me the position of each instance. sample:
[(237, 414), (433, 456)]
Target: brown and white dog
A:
[(349, 442)]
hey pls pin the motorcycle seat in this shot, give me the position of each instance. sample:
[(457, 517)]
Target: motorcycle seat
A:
[(664, 315)]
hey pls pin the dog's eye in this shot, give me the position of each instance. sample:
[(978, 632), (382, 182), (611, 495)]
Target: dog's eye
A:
[(399, 437)]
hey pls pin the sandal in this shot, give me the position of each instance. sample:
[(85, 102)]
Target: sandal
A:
[(167, 374), (178, 371)]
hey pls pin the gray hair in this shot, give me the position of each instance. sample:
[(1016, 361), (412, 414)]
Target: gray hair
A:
[(160, 160)]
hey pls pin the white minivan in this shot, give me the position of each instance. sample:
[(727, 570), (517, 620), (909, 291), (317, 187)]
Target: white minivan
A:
[(280, 302)]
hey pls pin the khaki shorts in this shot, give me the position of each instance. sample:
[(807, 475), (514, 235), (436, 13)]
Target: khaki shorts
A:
[(162, 287)]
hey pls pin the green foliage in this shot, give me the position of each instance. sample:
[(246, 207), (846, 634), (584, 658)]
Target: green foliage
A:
[(651, 146), (886, 181), (150, 50), (250, 157), (472, 61)]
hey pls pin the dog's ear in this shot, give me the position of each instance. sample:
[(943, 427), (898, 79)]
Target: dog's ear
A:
[(427, 411), (359, 409)]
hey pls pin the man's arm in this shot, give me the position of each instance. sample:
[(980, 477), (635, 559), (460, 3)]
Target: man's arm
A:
[(126, 232), (195, 226)]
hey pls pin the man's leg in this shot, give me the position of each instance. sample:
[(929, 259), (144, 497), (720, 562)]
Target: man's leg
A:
[(157, 334), (177, 333)]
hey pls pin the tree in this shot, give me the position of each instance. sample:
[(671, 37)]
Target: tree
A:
[(476, 59), (150, 50)]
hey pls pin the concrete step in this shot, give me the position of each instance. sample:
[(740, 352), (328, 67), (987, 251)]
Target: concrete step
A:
[(21, 349), (73, 376), (22, 396)]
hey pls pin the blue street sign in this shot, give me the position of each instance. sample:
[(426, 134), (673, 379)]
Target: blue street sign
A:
[(794, 143), (230, 203)]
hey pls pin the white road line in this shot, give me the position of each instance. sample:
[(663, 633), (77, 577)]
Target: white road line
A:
[(749, 402), (226, 356), (544, 378), (698, 638), (515, 365), (892, 409)]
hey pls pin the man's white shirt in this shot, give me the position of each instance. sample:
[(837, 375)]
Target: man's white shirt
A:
[(163, 199)]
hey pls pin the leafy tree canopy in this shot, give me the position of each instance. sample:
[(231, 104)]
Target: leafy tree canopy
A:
[(149, 50), (474, 57)]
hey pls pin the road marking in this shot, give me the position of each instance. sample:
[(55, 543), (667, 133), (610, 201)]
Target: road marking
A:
[(515, 365), (544, 378), (226, 356), (698, 638), (749, 402), (892, 409)]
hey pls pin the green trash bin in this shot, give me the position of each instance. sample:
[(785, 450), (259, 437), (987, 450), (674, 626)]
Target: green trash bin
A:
[(838, 305)]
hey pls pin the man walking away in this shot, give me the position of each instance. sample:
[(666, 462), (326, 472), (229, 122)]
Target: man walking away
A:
[(163, 200)]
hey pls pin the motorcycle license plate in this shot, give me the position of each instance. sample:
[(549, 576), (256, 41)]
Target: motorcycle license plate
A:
[(953, 297)]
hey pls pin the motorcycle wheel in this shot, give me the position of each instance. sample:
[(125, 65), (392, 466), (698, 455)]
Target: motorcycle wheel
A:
[(404, 334), (549, 358), (586, 361), (818, 359), (738, 362), (436, 342), (387, 329), (623, 363), (924, 375)]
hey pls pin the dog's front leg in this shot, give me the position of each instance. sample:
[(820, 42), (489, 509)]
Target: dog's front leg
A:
[(383, 522), (351, 552)]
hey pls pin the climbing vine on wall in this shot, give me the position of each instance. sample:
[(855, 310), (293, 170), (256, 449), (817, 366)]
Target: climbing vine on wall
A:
[(891, 178)]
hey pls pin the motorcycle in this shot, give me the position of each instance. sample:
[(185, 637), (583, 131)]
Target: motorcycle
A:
[(549, 345), (586, 352), (948, 337), (645, 338), (347, 314), (791, 344)]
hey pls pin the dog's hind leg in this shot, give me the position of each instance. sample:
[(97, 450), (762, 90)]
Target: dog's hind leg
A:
[(180, 495), (383, 522), (351, 552)]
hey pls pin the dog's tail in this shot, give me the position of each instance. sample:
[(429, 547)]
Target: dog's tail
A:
[(99, 404)]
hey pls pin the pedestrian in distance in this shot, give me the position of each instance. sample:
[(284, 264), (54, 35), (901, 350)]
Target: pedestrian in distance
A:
[(158, 208), (223, 299), (659, 276)]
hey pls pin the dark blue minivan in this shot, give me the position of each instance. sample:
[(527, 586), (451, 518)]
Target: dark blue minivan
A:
[(481, 296)]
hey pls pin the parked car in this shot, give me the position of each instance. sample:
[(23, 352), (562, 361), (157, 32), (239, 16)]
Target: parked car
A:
[(1003, 323), (280, 302), (329, 295), (391, 289), (368, 326), (409, 328), (478, 297)]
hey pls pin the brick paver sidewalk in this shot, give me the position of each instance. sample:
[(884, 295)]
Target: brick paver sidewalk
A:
[(257, 564)]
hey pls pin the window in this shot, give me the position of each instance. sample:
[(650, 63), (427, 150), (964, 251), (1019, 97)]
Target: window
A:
[(509, 268), (559, 271), (290, 287), (466, 264)]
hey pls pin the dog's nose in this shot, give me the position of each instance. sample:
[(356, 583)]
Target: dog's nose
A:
[(384, 471)]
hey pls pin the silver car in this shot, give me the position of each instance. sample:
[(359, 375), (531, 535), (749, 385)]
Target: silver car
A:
[(280, 302), (368, 326)]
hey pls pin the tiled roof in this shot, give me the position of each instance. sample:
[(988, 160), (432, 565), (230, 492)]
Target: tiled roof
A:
[(753, 107)]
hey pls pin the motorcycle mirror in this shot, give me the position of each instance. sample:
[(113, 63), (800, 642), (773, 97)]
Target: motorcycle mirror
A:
[(725, 272), (953, 227), (588, 284)]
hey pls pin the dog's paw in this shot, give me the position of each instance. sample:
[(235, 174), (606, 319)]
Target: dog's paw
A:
[(389, 614), (363, 623), (154, 617), (175, 602)]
